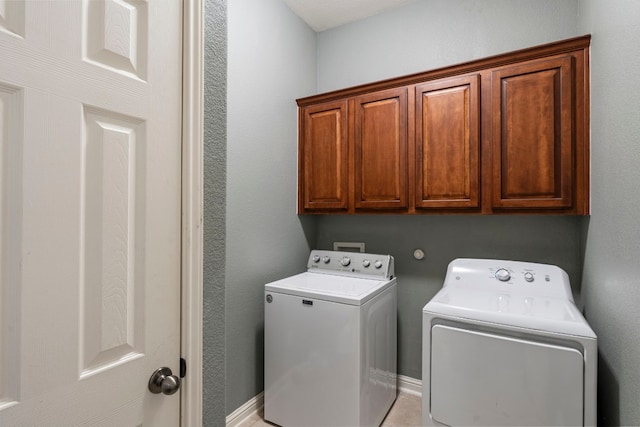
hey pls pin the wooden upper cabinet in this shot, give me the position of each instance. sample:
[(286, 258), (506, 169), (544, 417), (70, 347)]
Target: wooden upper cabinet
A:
[(498, 135), (323, 157), (447, 143), (380, 150), (532, 136)]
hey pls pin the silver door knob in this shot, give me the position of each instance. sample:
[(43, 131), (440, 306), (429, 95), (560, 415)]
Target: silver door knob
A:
[(163, 381)]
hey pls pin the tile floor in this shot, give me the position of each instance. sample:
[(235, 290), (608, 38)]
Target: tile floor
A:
[(405, 412)]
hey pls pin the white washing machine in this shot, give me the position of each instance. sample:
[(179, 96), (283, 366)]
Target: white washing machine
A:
[(330, 342), (504, 345)]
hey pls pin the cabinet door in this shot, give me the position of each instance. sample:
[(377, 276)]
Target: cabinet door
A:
[(380, 150), (447, 143), (323, 182), (532, 135)]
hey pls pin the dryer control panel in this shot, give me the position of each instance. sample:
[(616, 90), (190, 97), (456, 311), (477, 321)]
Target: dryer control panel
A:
[(354, 264), (515, 276)]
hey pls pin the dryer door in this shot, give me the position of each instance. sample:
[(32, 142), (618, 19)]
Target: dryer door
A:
[(481, 379)]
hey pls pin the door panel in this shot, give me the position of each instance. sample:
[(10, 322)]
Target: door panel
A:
[(482, 379), (114, 192), (532, 135), (324, 156), (381, 150), (90, 151), (447, 143)]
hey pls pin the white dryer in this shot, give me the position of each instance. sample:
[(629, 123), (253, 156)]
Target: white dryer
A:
[(330, 342), (504, 345)]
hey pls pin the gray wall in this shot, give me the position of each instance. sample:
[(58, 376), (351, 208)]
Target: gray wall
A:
[(215, 93), (426, 35), (611, 277), (271, 61), (434, 33)]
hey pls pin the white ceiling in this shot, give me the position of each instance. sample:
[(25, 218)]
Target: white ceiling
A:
[(324, 14)]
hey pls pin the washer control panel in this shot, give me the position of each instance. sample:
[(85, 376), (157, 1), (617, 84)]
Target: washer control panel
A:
[(511, 276), (355, 264)]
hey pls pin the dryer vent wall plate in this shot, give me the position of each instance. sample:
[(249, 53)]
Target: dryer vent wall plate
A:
[(348, 246)]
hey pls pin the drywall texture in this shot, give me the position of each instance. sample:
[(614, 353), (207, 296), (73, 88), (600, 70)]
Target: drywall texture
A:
[(421, 36), (550, 240), (271, 61), (215, 92), (611, 276), (430, 34)]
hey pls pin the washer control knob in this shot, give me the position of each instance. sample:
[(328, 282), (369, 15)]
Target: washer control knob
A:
[(377, 264), (528, 276), (326, 259), (345, 261), (503, 275), (366, 263), (316, 258)]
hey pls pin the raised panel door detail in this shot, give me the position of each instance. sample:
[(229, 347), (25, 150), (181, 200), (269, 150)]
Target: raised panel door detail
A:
[(116, 35), (90, 241), (11, 141), (447, 143), (532, 135), (12, 16), (380, 148), (324, 160), (114, 190)]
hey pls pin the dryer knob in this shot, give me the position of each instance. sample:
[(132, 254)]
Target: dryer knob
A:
[(326, 259), (316, 258), (345, 261), (503, 275), (366, 263), (377, 264)]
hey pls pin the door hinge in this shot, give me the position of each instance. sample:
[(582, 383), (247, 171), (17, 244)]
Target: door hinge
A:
[(183, 367)]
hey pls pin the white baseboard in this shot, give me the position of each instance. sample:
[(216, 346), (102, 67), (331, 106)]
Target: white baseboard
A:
[(251, 407), (254, 405), (409, 385)]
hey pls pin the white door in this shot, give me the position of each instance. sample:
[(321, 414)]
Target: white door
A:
[(90, 146)]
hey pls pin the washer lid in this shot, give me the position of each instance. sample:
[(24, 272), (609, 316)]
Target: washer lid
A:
[(326, 287), (541, 313)]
